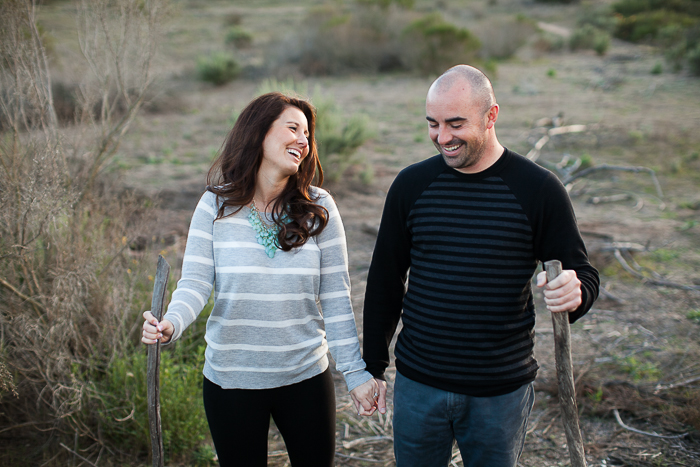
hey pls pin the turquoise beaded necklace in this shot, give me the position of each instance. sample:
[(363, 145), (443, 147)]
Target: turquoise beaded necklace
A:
[(266, 235)]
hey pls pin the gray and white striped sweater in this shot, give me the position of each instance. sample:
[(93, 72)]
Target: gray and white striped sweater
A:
[(274, 319)]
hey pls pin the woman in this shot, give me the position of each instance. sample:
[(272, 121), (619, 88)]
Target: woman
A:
[(273, 247)]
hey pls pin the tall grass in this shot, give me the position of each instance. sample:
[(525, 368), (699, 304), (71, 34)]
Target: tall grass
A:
[(68, 285)]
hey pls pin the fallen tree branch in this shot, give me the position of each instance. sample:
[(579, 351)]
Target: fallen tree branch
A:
[(645, 433), (353, 443), (601, 167), (534, 153), (77, 455), (676, 385), (363, 459), (646, 280), (26, 298)]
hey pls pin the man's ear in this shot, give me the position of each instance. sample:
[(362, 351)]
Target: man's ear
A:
[(492, 116)]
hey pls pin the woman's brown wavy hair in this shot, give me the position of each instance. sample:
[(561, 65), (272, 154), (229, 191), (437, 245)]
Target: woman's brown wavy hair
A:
[(233, 174)]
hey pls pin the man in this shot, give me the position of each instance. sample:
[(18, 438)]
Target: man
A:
[(471, 224)]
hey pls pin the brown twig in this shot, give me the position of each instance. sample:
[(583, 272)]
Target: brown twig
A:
[(601, 167), (647, 280), (77, 455), (646, 433), (12, 289)]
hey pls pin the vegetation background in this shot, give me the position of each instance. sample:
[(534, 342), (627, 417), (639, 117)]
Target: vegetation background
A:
[(112, 110)]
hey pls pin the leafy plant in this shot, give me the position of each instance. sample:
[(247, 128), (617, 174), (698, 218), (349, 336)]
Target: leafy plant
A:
[(218, 68), (123, 407), (435, 45), (238, 37), (694, 316), (591, 38)]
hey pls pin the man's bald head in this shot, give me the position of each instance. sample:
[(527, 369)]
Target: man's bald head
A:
[(478, 84)]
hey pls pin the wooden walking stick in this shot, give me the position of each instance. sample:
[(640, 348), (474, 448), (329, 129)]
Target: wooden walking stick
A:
[(153, 376), (565, 376)]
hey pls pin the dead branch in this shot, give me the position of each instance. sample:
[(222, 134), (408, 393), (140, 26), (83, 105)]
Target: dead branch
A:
[(645, 433), (12, 289), (607, 294), (610, 198), (77, 455), (353, 443), (598, 168), (534, 153), (676, 385), (647, 280), (363, 459)]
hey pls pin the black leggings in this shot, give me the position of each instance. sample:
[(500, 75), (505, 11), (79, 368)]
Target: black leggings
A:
[(239, 420)]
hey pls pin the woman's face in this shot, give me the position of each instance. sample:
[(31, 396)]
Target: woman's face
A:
[(286, 143)]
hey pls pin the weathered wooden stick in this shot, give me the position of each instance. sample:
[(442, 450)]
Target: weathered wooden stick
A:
[(153, 376), (565, 376)]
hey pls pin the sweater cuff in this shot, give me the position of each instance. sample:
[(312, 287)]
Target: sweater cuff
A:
[(355, 378)]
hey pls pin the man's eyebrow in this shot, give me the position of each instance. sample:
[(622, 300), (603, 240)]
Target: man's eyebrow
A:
[(449, 120)]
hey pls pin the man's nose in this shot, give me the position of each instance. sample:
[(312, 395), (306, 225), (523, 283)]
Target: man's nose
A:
[(444, 136)]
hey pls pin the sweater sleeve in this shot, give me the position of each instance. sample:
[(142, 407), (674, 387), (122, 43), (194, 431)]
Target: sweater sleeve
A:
[(195, 285), (334, 296), (557, 237), (386, 280)]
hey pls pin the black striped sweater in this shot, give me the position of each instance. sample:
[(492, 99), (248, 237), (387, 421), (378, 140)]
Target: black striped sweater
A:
[(472, 243)]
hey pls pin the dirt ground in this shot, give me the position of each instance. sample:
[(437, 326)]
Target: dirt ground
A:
[(637, 342)]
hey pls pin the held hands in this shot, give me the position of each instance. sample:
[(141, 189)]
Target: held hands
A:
[(563, 293), (154, 331), (365, 397), (370, 397)]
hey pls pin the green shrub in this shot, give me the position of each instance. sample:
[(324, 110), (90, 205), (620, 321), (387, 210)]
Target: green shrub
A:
[(123, 407), (548, 42), (694, 60), (434, 45), (589, 37), (384, 4), (657, 69), (501, 38), (238, 37), (602, 18), (218, 68), (356, 38), (634, 7), (645, 26)]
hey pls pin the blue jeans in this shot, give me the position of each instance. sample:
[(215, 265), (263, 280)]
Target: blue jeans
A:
[(490, 431)]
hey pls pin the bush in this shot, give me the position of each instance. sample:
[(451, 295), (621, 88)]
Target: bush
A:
[(434, 45), (548, 42), (694, 60), (218, 68), (589, 37), (645, 26), (239, 37), (362, 37), (674, 25), (370, 37), (500, 39), (124, 388), (71, 293), (338, 135), (602, 18)]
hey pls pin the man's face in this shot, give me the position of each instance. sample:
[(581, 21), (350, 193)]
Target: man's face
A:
[(457, 126)]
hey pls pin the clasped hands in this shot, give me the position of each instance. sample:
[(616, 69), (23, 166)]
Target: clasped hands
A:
[(370, 397)]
